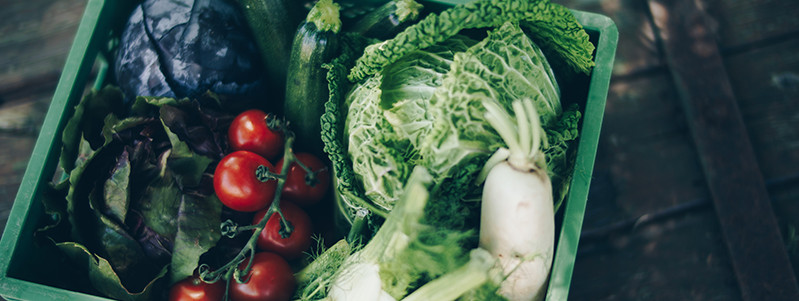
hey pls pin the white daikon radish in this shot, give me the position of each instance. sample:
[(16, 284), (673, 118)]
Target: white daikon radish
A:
[(517, 223)]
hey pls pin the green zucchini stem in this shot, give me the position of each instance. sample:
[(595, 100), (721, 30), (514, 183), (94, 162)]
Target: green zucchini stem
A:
[(325, 15)]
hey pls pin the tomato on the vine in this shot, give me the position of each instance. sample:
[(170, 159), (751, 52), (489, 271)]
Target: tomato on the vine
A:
[(274, 236), (270, 278), (194, 289), (241, 182), (301, 187), (251, 131)]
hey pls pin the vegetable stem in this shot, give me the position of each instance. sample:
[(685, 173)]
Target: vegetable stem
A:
[(325, 15), (454, 284), (230, 269), (339, 250), (357, 225), (499, 156), (503, 124), (524, 138), (524, 130)]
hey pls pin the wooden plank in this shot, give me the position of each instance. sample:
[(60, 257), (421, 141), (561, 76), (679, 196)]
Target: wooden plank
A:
[(680, 258), (741, 201), (35, 36), (766, 83), (745, 24), (13, 159), (646, 149), (646, 162)]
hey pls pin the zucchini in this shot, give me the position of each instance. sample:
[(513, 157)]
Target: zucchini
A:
[(316, 42), (388, 20), (273, 24)]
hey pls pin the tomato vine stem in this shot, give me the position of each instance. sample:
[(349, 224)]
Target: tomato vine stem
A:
[(230, 269)]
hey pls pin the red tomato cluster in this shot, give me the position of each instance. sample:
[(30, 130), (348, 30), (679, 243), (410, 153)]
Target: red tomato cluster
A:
[(246, 180)]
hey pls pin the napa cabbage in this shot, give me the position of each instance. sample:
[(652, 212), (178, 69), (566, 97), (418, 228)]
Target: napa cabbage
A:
[(426, 109), (406, 134), (389, 116)]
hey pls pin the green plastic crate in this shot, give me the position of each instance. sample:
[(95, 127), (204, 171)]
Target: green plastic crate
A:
[(22, 270)]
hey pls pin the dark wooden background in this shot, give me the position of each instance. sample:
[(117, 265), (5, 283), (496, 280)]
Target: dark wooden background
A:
[(701, 125)]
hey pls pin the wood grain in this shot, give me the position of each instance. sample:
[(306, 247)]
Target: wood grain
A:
[(35, 36), (647, 159), (766, 84), (749, 24), (733, 176)]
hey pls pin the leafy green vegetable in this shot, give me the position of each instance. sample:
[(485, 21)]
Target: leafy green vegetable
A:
[(426, 108), (197, 232), (103, 277), (325, 16), (88, 118), (402, 255), (411, 105), (551, 22), (115, 190), (473, 278), (136, 204), (409, 83), (333, 134), (389, 117), (377, 156), (559, 160), (503, 67), (416, 101)]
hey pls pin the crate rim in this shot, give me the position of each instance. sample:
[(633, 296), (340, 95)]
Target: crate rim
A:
[(82, 55)]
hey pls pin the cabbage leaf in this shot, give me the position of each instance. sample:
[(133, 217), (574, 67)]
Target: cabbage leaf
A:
[(551, 23), (389, 116), (504, 67), (416, 100)]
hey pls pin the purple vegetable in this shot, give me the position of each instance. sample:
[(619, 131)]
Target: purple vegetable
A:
[(183, 48)]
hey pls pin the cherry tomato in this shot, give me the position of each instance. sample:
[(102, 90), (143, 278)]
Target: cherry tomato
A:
[(300, 187), (194, 289), (272, 238), (236, 183), (270, 279), (250, 131)]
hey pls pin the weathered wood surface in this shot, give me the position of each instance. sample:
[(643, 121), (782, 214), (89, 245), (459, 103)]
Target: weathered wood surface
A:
[(741, 26), (647, 161), (35, 36), (648, 165), (730, 167)]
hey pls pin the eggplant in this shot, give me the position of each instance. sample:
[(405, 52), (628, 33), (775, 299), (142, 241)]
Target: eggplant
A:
[(183, 48)]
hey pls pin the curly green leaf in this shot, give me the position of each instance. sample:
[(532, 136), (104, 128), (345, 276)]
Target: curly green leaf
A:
[(557, 26)]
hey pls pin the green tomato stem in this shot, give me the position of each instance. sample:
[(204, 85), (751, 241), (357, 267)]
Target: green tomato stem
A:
[(325, 15), (310, 175), (230, 269)]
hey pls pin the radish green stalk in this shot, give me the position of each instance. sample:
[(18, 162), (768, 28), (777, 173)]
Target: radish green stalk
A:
[(517, 222)]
